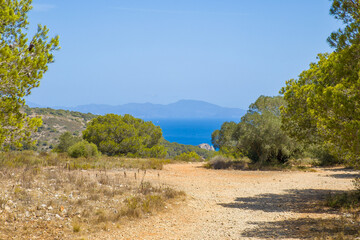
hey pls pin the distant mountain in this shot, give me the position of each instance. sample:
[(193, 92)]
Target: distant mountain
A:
[(188, 109), (33, 105)]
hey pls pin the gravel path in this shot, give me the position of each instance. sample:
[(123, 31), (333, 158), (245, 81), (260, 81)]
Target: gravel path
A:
[(227, 204)]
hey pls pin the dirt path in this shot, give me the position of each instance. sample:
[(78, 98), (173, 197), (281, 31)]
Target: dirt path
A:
[(227, 204)]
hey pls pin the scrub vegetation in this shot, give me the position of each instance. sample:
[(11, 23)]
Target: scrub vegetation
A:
[(68, 172)]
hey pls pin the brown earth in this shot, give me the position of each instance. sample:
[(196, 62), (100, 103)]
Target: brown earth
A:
[(228, 204)]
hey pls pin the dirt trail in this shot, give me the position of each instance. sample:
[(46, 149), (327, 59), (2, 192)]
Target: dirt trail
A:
[(227, 204)]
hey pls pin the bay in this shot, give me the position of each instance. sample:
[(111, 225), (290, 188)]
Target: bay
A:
[(189, 131)]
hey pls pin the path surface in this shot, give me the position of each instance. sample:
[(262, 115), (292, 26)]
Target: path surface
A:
[(228, 204)]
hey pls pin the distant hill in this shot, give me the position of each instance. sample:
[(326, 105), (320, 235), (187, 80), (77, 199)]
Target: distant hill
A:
[(181, 109), (56, 122)]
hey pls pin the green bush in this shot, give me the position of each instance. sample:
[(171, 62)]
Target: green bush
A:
[(189, 157), (83, 149), (67, 139), (125, 136)]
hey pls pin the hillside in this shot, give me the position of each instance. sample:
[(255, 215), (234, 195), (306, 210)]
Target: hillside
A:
[(56, 122)]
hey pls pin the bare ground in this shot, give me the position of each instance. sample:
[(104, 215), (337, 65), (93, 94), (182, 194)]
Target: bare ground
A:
[(227, 204)]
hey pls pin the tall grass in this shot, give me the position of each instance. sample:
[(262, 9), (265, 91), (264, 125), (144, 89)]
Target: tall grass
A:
[(31, 158)]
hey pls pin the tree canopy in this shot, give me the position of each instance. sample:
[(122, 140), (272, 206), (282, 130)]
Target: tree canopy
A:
[(323, 104), (348, 12), (125, 135), (23, 62), (258, 135)]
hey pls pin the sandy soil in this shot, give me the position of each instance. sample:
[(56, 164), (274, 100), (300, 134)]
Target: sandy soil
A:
[(228, 204)]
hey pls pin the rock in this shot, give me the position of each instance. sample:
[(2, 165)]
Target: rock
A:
[(206, 146)]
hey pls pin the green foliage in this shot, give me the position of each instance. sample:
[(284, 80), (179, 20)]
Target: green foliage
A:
[(189, 157), (174, 149), (323, 105), (259, 135), (67, 139), (22, 65), (83, 149), (348, 12), (322, 155), (125, 135)]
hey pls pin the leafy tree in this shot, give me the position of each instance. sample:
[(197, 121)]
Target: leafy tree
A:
[(259, 135), (223, 138), (215, 139), (347, 11), (67, 139), (22, 64), (323, 103), (125, 135)]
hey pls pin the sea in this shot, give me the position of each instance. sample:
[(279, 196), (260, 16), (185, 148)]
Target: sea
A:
[(189, 131)]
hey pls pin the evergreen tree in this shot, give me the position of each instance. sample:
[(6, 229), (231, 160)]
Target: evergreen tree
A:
[(23, 62)]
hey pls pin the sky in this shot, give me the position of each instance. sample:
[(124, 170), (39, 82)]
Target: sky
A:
[(226, 52)]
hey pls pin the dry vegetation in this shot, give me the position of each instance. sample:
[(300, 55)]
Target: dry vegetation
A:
[(52, 197)]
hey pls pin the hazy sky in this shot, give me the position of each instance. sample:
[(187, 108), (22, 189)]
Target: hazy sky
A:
[(225, 52)]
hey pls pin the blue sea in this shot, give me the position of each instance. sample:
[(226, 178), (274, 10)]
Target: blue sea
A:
[(189, 131)]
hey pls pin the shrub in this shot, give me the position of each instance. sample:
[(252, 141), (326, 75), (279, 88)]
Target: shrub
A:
[(189, 157), (83, 149), (224, 162), (124, 135), (219, 162), (66, 141)]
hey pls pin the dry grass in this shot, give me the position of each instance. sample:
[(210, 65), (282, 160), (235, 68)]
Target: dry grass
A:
[(55, 201), (31, 158)]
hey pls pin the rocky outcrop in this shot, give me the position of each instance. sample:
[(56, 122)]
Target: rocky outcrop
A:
[(206, 146)]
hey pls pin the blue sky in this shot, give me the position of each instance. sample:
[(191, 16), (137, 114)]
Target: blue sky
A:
[(225, 52)]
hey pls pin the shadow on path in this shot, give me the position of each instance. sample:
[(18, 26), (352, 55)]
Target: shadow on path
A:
[(303, 228), (297, 201), (300, 201), (346, 175)]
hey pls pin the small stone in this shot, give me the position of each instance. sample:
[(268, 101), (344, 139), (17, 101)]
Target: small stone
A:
[(7, 208), (50, 208), (43, 206), (27, 214)]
